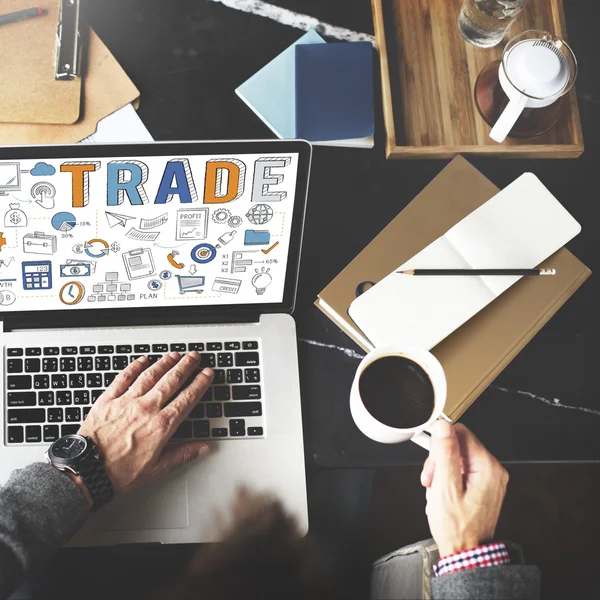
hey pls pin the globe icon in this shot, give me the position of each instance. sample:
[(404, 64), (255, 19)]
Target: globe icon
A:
[(260, 214)]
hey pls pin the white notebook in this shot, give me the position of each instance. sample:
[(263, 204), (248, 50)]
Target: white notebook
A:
[(519, 227)]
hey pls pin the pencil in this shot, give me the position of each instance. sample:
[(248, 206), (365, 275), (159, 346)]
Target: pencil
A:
[(21, 15), (463, 272)]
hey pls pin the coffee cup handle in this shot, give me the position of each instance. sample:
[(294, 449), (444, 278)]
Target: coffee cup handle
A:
[(508, 118), (423, 439)]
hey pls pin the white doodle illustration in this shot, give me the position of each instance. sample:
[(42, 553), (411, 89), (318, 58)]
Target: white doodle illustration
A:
[(126, 180), (111, 290), (80, 180), (146, 224), (76, 270), (39, 243), (146, 231), (270, 248), (262, 280), (224, 180), (174, 263), (96, 248), (43, 193), (192, 224), (203, 253), (139, 263), (221, 216), (6, 262), (37, 275), (7, 297), (42, 169), (154, 285), (257, 237), (77, 261), (10, 177), (142, 236), (260, 214), (234, 221), (15, 217), (115, 219), (227, 286), (265, 179), (71, 293), (188, 283), (241, 260), (178, 181), (227, 237), (63, 221)]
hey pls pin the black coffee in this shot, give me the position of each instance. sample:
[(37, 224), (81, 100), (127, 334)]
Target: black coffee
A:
[(397, 392)]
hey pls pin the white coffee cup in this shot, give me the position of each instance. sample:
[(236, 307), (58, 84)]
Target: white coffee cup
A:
[(380, 432)]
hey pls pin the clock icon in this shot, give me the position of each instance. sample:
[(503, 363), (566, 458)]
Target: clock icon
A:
[(71, 293)]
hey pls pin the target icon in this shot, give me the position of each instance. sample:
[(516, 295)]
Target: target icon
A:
[(203, 253)]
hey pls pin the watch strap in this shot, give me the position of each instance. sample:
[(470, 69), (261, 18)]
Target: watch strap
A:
[(96, 480)]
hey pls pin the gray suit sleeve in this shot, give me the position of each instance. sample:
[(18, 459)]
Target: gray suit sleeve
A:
[(40, 510), (517, 582)]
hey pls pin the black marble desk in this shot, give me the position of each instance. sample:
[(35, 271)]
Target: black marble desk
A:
[(188, 56)]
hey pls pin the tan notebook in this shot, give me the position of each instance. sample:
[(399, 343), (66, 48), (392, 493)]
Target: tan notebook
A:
[(477, 352), (106, 89), (28, 91)]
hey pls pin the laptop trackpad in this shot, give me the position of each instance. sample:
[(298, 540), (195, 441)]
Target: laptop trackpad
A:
[(159, 505)]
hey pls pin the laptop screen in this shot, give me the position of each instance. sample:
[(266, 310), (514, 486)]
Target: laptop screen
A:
[(150, 226)]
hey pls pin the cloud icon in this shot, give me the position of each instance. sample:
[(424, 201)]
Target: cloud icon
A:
[(42, 169)]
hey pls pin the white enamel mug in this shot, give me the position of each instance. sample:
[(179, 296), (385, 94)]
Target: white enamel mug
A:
[(380, 432)]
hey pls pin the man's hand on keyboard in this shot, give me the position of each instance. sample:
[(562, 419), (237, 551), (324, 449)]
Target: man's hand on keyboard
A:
[(136, 416)]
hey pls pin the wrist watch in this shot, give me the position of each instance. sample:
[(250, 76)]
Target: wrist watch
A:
[(79, 455)]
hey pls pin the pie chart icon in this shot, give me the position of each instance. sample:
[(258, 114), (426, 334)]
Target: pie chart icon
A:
[(63, 221)]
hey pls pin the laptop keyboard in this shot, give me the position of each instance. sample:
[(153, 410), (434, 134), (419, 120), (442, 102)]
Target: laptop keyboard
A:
[(51, 390)]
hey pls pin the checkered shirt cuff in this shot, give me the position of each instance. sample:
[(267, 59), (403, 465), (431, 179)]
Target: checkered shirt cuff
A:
[(488, 555)]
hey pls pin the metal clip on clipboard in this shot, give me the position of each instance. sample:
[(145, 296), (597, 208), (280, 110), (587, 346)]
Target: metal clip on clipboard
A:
[(68, 47)]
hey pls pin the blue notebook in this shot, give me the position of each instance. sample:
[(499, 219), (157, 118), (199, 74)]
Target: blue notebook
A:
[(334, 91), (271, 92)]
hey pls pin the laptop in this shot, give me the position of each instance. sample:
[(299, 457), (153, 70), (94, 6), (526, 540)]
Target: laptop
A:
[(110, 252)]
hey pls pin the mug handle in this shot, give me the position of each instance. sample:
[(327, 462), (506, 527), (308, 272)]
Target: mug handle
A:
[(423, 439), (508, 118)]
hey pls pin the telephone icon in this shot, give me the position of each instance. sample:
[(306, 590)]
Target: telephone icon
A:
[(173, 262)]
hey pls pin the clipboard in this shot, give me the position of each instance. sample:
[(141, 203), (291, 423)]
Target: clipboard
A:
[(106, 89), (29, 92)]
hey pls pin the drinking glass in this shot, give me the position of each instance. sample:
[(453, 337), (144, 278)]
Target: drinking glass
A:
[(484, 23)]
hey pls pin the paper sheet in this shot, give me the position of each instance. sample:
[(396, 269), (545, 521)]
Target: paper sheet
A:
[(124, 125)]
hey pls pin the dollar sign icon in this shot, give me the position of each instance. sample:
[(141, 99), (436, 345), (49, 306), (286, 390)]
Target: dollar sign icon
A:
[(15, 217)]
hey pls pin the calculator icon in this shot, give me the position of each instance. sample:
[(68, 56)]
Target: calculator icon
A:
[(37, 275)]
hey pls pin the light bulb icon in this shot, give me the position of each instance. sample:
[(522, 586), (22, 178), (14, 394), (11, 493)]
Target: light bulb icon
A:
[(262, 280)]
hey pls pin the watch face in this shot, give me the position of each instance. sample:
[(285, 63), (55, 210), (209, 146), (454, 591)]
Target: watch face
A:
[(69, 447)]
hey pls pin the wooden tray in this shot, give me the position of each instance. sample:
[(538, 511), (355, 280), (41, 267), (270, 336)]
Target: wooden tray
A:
[(428, 73)]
